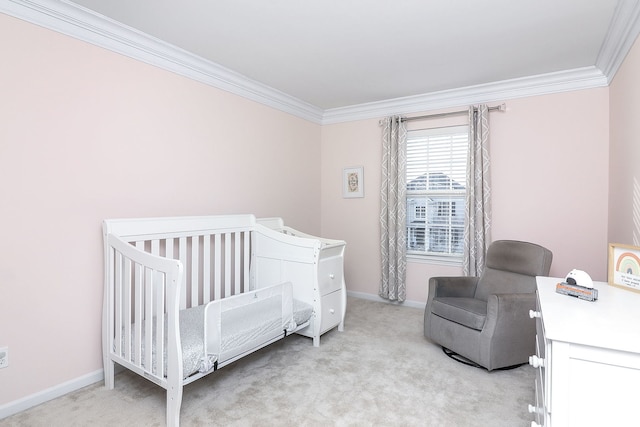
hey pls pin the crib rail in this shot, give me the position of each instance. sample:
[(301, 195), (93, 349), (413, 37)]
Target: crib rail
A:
[(248, 302), (216, 264), (216, 260)]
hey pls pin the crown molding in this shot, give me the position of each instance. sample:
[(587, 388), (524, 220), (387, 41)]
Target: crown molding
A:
[(81, 23), (73, 20), (543, 84), (622, 33)]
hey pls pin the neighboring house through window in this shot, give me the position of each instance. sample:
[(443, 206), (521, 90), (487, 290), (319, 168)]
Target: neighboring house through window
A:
[(436, 179)]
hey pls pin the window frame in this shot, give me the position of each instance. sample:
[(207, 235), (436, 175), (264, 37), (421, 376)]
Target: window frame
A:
[(439, 195)]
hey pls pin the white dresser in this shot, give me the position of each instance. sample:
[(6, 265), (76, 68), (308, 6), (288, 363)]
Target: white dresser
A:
[(588, 358)]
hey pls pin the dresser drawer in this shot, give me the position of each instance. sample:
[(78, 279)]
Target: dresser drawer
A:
[(331, 311), (330, 275)]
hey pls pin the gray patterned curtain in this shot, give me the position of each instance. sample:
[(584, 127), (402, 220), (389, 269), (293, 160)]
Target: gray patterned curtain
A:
[(477, 230), (393, 210)]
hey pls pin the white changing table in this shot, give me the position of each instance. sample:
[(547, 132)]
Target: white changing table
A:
[(323, 264)]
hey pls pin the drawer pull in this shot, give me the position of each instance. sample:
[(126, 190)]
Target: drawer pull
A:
[(332, 311), (536, 362), (534, 314), (331, 276)]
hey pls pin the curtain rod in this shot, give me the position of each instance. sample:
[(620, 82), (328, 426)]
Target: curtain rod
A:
[(501, 107)]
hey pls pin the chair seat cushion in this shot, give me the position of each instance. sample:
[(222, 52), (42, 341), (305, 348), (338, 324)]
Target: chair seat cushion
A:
[(469, 312)]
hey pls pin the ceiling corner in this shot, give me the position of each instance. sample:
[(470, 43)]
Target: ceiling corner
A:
[(622, 33)]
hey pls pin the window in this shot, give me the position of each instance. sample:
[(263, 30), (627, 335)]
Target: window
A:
[(436, 180)]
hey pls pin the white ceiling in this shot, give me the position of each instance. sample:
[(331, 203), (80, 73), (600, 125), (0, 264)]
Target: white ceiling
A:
[(332, 61), (338, 53)]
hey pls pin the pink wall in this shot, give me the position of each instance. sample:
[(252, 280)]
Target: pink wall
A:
[(624, 179), (549, 172), (87, 134), (550, 168)]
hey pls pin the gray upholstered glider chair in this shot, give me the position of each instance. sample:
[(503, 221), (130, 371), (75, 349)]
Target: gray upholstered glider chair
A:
[(486, 319)]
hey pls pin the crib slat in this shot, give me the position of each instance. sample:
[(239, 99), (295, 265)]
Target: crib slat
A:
[(206, 269), (218, 267), (182, 256), (148, 321), (138, 314), (125, 308), (227, 264), (246, 258), (138, 308), (117, 296), (236, 258), (157, 294), (158, 289), (155, 303), (168, 248), (195, 260)]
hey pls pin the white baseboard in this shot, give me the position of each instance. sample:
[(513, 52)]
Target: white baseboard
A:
[(43, 396), (373, 297)]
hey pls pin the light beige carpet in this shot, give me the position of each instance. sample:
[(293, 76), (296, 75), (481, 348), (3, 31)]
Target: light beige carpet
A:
[(380, 371)]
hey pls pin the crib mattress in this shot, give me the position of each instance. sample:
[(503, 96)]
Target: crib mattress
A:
[(239, 327)]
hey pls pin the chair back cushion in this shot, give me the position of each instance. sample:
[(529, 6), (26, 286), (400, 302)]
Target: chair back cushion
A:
[(511, 267)]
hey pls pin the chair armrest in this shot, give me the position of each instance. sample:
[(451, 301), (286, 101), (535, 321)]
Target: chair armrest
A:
[(457, 286), (508, 327), (510, 309)]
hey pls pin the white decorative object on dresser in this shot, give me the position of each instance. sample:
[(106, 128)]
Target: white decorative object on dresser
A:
[(588, 357)]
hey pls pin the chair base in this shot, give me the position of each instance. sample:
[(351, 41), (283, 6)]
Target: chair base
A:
[(461, 359)]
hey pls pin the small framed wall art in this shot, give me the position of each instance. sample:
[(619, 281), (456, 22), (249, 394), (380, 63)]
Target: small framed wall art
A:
[(624, 266), (353, 182)]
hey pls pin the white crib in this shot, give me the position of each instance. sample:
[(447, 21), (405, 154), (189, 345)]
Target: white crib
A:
[(211, 290)]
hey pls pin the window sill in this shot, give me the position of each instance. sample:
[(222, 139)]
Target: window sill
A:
[(434, 259)]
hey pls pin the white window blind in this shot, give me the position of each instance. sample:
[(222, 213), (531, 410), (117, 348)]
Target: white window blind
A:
[(436, 180)]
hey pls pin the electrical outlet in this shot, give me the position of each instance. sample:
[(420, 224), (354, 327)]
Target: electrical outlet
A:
[(4, 357)]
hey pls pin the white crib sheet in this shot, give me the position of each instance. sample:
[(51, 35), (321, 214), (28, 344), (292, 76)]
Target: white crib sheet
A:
[(247, 323)]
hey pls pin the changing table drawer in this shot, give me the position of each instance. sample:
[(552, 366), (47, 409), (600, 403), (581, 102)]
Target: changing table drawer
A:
[(331, 311), (330, 275)]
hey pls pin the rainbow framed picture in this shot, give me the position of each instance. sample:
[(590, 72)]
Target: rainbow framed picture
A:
[(624, 266)]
